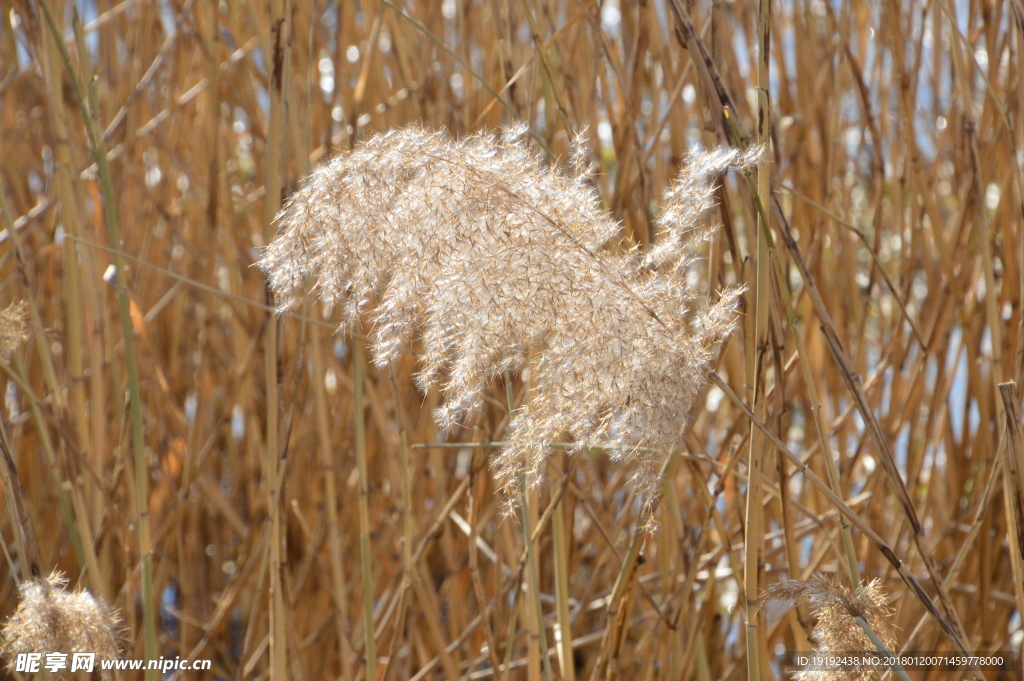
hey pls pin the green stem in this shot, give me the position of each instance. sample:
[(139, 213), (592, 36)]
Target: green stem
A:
[(90, 115)]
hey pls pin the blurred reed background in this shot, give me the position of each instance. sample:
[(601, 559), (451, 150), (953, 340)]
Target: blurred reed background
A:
[(219, 510)]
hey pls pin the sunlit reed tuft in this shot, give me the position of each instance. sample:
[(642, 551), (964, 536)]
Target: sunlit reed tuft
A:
[(13, 328), (498, 263), (52, 619), (835, 608)]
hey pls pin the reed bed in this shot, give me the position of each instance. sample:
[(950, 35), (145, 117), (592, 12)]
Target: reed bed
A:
[(250, 488)]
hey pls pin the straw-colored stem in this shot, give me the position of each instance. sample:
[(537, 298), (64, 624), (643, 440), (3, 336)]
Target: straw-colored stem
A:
[(90, 115), (538, 637), (76, 515), (469, 69), (756, 353), (280, 80), (537, 628), (365, 555), (703, 667), (334, 543), (408, 525), (1013, 485), (735, 133), (69, 495), (843, 508), (69, 213), (478, 586), (25, 540), (562, 567), (782, 286)]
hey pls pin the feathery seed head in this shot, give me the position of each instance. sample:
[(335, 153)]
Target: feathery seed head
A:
[(13, 329), (835, 608), (50, 618), (489, 258)]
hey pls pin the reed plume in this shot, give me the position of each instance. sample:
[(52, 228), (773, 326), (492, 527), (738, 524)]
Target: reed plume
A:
[(498, 263), (14, 328), (836, 608), (52, 619)]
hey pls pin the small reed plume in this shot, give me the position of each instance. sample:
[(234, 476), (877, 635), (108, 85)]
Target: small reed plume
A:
[(13, 329), (497, 263), (836, 608), (52, 619)]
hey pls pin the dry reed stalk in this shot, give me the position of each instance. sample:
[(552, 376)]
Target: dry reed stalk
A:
[(83, 548), (756, 354), (879, 543), (976, 526), (949, 620), (76, 302), (562, 547), (279, 44), (13, 332), (478, 586), (89, 109), (327, 460), (1013, 484), (69, 496), (532, 609), (365, 558)]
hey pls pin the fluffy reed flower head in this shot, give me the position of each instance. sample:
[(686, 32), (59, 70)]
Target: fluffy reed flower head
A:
[(51, 619), (13, 329), (835, 608), (496, 263)]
